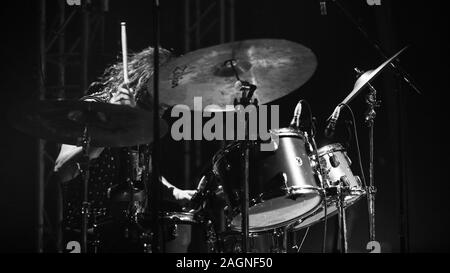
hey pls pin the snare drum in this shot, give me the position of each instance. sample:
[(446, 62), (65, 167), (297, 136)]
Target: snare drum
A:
[(335, 164), (282, 188)]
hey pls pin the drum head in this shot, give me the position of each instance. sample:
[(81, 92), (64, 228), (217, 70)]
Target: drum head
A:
[(319, 214), (279, 211)]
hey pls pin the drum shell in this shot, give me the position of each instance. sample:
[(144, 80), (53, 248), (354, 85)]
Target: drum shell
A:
[(272, 175), (336, 166)]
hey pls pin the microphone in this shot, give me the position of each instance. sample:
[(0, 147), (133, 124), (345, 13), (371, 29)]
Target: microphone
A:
[(329, 130), (323, 7), (295, 122)]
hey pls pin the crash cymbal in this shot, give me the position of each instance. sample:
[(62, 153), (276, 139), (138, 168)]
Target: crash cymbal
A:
[(64, 122), (276, 67), (367, 77)]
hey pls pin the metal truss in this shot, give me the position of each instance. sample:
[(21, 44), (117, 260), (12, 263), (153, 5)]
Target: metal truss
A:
[(65, 43), (206, 23)]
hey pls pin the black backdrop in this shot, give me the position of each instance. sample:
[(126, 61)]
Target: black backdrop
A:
[(339, 47)]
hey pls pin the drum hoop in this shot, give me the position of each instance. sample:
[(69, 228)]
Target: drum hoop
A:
[(288, 131), (179, 217), (287, 222), (330, 148), (297, 226), (282, 132)]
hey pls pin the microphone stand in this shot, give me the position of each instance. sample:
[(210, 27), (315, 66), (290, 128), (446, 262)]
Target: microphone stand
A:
[(401, 75), (247, 90)]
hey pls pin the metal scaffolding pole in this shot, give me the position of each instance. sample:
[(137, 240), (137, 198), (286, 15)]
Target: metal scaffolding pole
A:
[(85, 46), (61, 95), (41, 143), (52, 52)]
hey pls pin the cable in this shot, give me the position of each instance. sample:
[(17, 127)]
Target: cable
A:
[(303, 240), (358, 151)]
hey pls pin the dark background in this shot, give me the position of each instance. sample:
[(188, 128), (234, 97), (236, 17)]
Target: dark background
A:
[(339, 47)]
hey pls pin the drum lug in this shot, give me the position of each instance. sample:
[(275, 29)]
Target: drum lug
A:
[(344, 181), (358, 181), (333, 160), (313, 163)]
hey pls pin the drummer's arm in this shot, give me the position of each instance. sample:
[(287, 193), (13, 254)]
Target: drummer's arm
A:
[(172, 193), (66, 165)]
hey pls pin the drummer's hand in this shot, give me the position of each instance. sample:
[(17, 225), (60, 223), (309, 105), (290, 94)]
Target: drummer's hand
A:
[(123, 96), (183, 196)]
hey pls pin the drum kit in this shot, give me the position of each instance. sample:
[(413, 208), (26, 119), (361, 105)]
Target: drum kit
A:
[(291, 188)]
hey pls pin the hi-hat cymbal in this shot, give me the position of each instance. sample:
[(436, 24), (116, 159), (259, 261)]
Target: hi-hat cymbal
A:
[(108, 125), (276, 67)]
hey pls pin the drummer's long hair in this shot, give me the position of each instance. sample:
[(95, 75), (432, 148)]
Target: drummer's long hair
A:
[(140, 70)]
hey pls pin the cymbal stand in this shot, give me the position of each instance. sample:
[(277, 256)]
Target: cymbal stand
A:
[(402, 75), (247, 90), (86, 205), (369, 119)]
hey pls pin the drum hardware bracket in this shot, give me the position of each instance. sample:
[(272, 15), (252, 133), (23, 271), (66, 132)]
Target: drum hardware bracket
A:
[(371, 190), (342, 225)]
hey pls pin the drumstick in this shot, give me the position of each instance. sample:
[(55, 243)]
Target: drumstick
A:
[(124, 52)]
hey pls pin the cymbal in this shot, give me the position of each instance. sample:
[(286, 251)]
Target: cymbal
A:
[(369, 76), (108, 125), (276, 67)]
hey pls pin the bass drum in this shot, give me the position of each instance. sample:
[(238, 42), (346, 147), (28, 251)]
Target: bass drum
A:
[(335, 164), (283, 186)]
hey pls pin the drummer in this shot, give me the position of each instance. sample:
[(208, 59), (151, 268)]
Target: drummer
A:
[(109, 165)]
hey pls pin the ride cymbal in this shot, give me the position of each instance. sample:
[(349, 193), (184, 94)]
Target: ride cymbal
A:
[(276, 67)]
